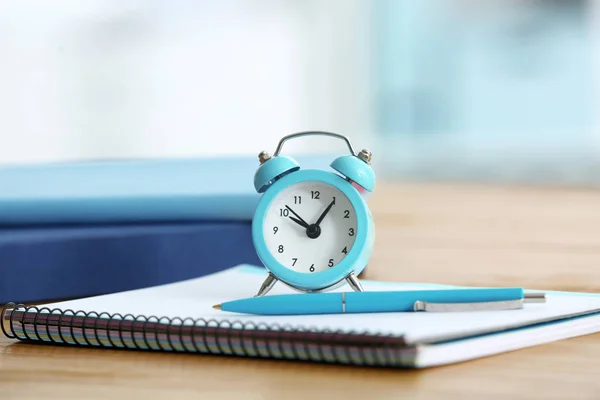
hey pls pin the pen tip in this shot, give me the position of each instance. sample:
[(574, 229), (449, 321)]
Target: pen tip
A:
[(217, 306)]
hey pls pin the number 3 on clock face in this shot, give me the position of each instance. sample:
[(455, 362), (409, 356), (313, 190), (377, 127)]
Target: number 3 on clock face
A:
[(312, 232)]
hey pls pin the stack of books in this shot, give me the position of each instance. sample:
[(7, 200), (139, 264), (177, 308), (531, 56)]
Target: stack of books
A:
[(77, 229)]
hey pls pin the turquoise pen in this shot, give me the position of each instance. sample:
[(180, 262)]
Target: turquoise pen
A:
[(447, 300)]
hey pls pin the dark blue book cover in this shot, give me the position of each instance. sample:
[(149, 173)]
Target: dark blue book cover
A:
[(59, 262)]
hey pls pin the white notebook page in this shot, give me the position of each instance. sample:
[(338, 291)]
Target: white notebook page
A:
[(195, 298)]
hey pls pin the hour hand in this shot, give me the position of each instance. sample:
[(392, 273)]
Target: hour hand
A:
[(301, 223), (297, 220)]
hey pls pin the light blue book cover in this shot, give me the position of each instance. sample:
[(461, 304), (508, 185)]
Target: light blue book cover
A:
[(133, 190)]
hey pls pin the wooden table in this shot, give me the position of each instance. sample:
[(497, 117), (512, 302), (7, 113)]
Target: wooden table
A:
[(475, 235)]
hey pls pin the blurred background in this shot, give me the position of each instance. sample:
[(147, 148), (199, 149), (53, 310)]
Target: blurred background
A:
[(487, 90)]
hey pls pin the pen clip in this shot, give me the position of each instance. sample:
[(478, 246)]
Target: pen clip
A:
[(420, 305)]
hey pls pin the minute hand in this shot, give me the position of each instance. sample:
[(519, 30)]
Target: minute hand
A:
[(324, 213)]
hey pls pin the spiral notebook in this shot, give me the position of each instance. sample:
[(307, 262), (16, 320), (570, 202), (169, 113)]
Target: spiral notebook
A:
[(179, 317)]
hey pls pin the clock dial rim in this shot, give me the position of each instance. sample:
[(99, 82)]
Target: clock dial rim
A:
[(355, 260), (333, 231)]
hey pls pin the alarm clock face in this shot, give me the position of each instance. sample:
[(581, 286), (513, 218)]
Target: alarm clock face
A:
[(310, 227)]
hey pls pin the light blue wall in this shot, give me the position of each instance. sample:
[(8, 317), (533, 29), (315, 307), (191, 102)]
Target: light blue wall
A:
[(512, 80)]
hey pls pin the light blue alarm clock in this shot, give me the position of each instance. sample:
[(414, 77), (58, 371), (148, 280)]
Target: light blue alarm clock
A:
[(312, 228)]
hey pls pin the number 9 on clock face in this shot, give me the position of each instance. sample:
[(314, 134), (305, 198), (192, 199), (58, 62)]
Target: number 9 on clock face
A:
[(310, 226)]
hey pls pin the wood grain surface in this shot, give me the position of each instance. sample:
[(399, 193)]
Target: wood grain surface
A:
[(547, 238)]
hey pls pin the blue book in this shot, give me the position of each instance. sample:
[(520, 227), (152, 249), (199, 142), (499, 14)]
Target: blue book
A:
[(151, 190), (85, 228), (59, 262)]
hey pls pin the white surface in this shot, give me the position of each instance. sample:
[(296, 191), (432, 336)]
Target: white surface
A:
[(335, 229), (194, 298), (463, 350), (114, 79)]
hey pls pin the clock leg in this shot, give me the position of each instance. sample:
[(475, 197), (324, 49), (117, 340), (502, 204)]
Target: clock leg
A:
[(267, 285), (354, 283)]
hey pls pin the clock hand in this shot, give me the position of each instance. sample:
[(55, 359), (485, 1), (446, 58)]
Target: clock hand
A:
[(324, 213), (299, 221), (296, 220)]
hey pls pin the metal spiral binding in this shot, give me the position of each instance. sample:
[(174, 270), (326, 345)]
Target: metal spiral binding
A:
[(235, 338)]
